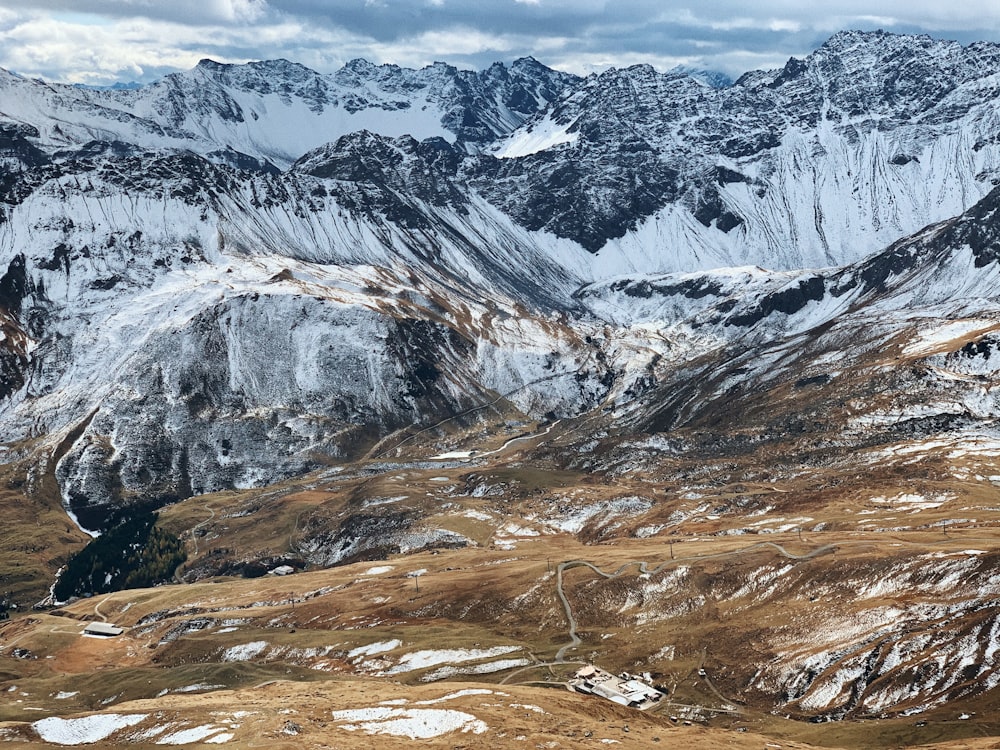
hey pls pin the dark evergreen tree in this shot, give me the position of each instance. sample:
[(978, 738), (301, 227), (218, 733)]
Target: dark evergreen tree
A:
[(133, 553)]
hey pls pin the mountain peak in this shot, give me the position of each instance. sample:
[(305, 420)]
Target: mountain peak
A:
[(359, 65), (442, 66), (531, 62), (274, 67), (713, 78), (845, 41), (208, 63)]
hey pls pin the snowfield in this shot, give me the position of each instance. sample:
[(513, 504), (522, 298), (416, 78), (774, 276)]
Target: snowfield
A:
[(204, 733), (431, 658), (501, 665), (245, 651), (414, 723), (373, 649), (84, 730)]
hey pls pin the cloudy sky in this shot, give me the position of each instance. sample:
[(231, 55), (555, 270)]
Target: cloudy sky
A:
[(102, 41)]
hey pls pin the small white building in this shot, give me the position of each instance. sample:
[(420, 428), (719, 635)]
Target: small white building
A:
[(102, 630)]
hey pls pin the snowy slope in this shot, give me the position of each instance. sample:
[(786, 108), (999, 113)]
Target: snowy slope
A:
[(919, 319), (208, 297), (276, 110), (821, 163), (184, 318)]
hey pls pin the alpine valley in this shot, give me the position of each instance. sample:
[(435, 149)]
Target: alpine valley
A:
[(418, 388)]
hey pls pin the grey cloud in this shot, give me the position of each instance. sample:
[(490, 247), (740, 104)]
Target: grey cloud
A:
[(186, 12), (578, 35), (389, 20)]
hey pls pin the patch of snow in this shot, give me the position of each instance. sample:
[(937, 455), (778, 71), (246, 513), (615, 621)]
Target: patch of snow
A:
[(644, 532), (83, 730), (572, 518), (501, 665), (478, 515), (155, 731), (433, 657), (516, 530), (528, 707), (667, 652), (244, 651), (541, 136), (914, 502), (372, 649), (453, 696), (192, 734), (829, 691), (384, 500), (76, 521), (197, 688), (378, 570), (415, 723), (936, 336), (416, 540)]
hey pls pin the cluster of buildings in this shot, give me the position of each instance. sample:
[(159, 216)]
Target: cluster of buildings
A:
[(624, 689)]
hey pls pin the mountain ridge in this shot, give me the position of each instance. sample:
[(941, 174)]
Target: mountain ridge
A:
[(434, 251), (215, 105)]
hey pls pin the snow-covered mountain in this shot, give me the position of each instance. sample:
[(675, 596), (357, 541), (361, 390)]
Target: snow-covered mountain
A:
[(229, 276), (925, 297), (817, 164), (274, 111), (203, 328)]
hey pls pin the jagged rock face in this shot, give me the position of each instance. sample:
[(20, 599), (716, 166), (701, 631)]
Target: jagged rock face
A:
[(817, 164), (272, 112), (193, 363), (191, 327), (181, 312), (423, 170)]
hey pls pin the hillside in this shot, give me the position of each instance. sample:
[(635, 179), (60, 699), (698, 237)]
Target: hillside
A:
[(507, 370)]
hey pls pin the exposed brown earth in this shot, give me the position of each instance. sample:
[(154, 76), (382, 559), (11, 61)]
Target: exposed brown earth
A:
[(801, 562), (480, 598)]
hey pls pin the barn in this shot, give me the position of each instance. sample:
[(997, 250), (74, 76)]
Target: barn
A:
[(102, 630)]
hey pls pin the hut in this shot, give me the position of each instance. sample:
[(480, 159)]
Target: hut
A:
[(102, 630)]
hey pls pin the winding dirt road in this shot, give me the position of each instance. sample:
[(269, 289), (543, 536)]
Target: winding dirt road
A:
[(574, 639)]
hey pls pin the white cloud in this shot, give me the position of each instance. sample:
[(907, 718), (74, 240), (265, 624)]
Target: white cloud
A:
[(770, 24), (245, 10), (36, 45), (103, 40), (428, 47)]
